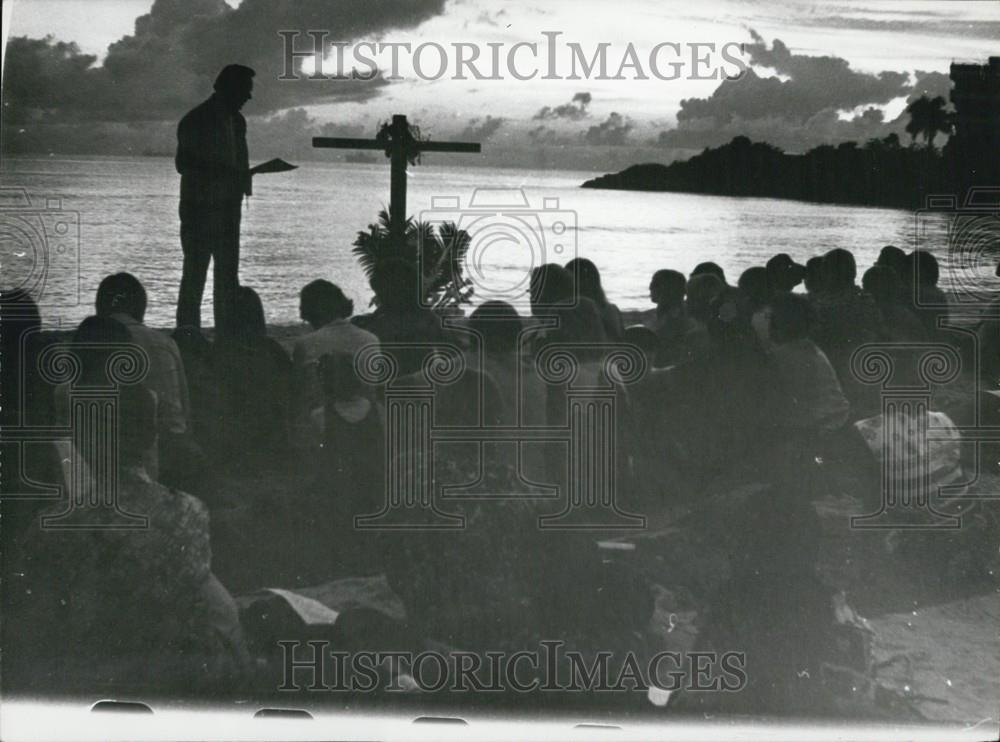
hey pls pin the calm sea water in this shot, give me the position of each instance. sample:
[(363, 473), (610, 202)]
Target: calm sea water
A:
[(300, 225)]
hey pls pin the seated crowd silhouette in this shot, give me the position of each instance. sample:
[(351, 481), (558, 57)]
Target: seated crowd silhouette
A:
[(744, 383)]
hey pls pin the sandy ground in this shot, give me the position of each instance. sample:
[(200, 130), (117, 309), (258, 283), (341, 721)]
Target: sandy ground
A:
[(945, 657), (936, 637)]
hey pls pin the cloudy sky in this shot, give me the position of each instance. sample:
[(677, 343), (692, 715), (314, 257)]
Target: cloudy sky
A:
[(817, 72)]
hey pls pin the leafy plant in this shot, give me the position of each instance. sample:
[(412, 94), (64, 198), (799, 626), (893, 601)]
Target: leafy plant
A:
[(928, 118), (436, 252)]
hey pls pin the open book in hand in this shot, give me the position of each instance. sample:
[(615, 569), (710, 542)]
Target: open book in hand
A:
[(277, 165)]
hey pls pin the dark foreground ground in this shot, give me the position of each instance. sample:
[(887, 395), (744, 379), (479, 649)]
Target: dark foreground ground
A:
[(935, 616), (931, 600)]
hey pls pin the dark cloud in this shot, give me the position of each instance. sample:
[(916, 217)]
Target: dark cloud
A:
[(802, 107), (170, 60), (45, 75), (575, 110), (612, 131), (542, 134), (811, 85), (481, 130), (824, 127), (931, 84)]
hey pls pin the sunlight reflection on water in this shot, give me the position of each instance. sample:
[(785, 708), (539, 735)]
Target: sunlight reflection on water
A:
[(300, 225)]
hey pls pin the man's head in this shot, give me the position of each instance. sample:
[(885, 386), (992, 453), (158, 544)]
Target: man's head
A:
[(551, 285), (667, 288), (702, 291), (755, 286), (729, 321), (234, 85), (250, 319), (121, 293), (840, 269), (815, 280), (588, 279), (498, 325), (710, 268), (882, 283), (893, 258), (783, 273), (321, 302)]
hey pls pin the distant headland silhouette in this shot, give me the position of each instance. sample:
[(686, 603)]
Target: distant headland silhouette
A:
[(879, 172)]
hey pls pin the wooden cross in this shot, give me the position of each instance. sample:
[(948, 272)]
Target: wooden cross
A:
[(398, 132)]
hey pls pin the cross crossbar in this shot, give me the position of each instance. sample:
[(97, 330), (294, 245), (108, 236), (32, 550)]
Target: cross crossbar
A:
[(398, 154)]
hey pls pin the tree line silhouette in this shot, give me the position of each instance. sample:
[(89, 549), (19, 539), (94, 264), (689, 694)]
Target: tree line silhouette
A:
[(881, 171)]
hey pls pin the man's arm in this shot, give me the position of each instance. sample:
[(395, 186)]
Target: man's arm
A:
[(197, 150), (188, 158)]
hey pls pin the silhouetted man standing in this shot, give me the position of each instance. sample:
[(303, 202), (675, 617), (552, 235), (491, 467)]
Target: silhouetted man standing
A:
[(214, 165)]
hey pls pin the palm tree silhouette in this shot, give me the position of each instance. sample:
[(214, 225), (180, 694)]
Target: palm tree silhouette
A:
[(438, 252), (928, 117)]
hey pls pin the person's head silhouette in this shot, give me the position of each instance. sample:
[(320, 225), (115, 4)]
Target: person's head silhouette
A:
[(588, 280), (121, 293), (783, 273), (667, 288), (551, 285), (702, 291), (497, 325), (840, 269), (894, 258), (322, 302), (234, 85), (883, 284), (711, 268), (815, 280), (755, 286), (249, 314)]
